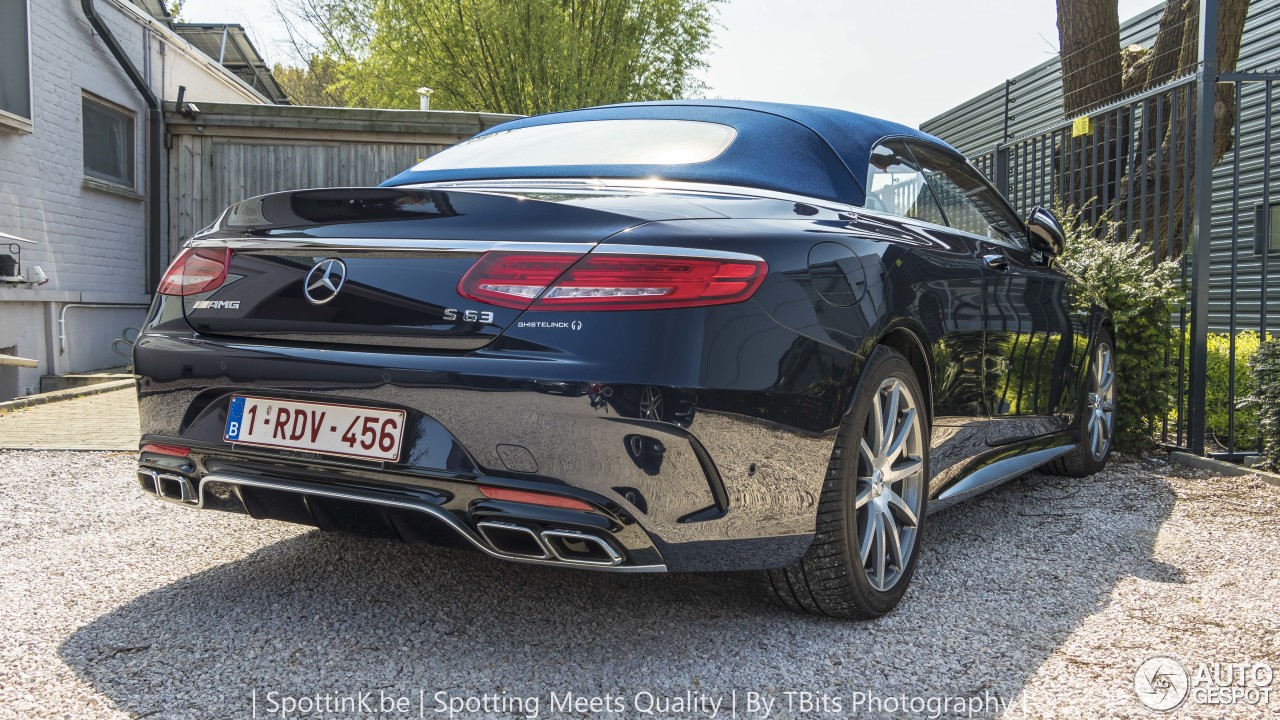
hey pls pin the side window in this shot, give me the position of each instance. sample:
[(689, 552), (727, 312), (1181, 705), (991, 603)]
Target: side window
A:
[(108, 142), (968, 202), (15, 68), (896, 186)]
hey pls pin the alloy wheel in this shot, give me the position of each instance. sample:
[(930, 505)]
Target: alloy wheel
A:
[(651, 403), (1101, 405), (890, 484)]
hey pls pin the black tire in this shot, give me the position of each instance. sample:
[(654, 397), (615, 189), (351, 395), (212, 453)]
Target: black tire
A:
[(1082, 461), (831, 578)]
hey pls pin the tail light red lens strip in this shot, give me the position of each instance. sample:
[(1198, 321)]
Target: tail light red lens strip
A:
[(196, 270), (513, 280), (637, 282), (609, 281)]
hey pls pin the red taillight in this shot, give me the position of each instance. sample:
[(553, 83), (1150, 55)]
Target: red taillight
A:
[(533, 498), (513, 279), (196, 270), (173, 450), (609, 281)]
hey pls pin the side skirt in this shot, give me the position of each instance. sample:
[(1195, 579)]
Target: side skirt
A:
[(997, 473)]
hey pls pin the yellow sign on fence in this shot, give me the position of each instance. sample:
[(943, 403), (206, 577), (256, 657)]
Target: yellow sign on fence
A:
[(1082, 126)]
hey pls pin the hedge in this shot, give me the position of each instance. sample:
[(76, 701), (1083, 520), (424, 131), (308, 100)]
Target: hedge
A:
[(1265, 365), (1141, 295)]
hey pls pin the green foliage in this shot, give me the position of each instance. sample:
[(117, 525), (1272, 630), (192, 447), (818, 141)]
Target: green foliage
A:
[(316, 84), (1265, 365), (1141, 295), (509, 56), (1217, 399)]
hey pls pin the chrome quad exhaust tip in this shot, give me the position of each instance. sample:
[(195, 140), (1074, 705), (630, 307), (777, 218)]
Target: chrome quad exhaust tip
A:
[(511, 539), (169, 486), (573, 547), (580, 548)]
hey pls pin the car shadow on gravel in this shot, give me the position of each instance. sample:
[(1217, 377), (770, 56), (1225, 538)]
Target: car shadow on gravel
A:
[(1003, 580)]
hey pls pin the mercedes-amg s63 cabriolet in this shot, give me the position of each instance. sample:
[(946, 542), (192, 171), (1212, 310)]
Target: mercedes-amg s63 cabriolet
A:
[(670, 336)]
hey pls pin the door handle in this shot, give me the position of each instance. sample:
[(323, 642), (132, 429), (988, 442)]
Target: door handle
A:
[(996, 261)]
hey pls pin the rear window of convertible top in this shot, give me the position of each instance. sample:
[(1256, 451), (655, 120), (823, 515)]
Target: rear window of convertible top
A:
[(590, 142)]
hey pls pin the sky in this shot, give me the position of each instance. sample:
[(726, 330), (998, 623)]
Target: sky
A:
[(902, 60)]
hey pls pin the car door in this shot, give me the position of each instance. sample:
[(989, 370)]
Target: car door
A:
[(1030, 329), (946, 302)]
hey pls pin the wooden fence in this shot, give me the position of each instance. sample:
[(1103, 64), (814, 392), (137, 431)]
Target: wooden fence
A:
[(222, 153)]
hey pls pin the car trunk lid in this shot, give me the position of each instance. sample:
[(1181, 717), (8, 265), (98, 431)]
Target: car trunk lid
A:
[(379, 266)]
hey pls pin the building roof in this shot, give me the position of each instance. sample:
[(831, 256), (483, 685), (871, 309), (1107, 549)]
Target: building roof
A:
[(228, 44), (801, 149), (156, 8)]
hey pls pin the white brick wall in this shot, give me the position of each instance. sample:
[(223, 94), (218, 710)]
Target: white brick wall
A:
[(91, 242)]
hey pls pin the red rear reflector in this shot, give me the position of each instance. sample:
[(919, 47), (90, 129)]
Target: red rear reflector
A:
[(166, 450), (196, 270), (533, 498), (609, 282)]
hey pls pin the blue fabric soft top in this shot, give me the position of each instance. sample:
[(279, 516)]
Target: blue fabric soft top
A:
[(801, 149)]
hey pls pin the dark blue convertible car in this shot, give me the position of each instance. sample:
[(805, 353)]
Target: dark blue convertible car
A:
[(672, 336)]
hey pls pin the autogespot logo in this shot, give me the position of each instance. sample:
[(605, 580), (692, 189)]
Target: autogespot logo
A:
[(1161, 683)]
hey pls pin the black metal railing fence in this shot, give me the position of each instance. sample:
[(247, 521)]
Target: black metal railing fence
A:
[(1134, 164)]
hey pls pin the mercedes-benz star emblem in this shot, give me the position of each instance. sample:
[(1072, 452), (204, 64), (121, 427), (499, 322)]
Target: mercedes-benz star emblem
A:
[(324, 281)]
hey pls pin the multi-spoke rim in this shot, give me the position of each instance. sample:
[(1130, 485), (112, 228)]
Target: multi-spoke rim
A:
[(651, 403), (1101, 410), (890, 485)]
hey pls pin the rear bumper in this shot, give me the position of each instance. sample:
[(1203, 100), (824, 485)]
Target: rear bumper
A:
[(439, 517), (728, 479)]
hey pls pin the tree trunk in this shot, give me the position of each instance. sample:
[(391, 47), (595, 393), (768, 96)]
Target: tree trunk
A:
[(1092, 73), (1176, 54), (1089, 37), (1142, 135)]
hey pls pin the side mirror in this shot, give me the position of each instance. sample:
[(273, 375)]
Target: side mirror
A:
[(1047, 234)]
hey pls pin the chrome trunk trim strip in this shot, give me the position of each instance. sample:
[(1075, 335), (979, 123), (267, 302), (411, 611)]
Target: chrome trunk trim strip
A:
[(674, 187), (673, 252), (467, 247)]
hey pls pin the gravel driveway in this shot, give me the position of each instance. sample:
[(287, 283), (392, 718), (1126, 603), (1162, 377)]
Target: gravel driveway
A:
[(1046, 594)]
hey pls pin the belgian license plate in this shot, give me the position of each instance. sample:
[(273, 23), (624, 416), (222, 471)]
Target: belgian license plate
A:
[(346, 430)]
